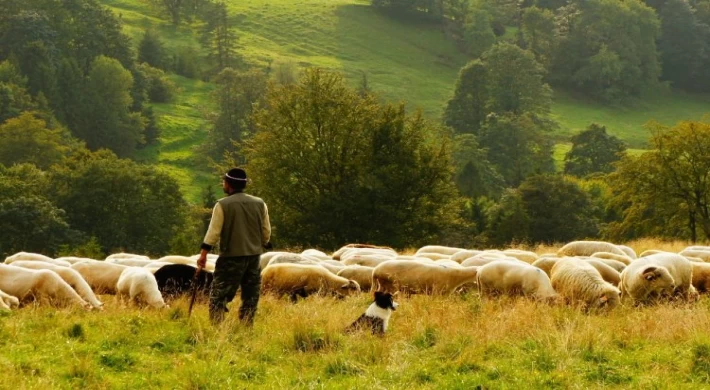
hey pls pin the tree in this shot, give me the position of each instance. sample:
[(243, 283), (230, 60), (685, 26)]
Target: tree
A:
[(340, 167), (478, 34), (237, 97), (173, 9), (538, 28), (14, 97), (682, 45), (593, 150), (672, 181), (26, 139), (466, 110), (475, 176), (559, 210), (151, 51), (124, 205), (106, 121), (219, 37), (160, 88), (508, 220)]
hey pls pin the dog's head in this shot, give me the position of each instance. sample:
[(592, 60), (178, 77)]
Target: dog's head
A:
[(385, 300)]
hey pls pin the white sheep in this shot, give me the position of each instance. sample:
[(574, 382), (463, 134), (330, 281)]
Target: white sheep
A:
[(126, 256), (433, 256), (378, 250), (414, 276), (303, 280), (546, 263), (69, 275), (316, 253), (265, 258), (629, 251), (616, 265), (140, 285), (462, 255), (25, 256), (7, 301), (292, 258), (442, 250), (587, 248), (701, 277), (579, 282), (697, 253), (73, 260), (526, 256), (133, 262), (608, 273), (515, 278), (644, 280), (478, 261), (101, 276), (365, 260), (362, 275), (612, 256), (650, 252), (26, 283), (679, 268)]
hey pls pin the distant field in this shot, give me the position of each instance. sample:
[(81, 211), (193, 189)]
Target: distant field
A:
[(404, 61)]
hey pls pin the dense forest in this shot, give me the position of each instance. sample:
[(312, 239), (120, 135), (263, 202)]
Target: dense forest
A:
[(336, 162)]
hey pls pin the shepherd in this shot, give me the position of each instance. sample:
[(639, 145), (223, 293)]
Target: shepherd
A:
[(240, 222)]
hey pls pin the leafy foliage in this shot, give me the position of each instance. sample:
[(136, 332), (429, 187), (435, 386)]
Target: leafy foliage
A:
[(593, 150)]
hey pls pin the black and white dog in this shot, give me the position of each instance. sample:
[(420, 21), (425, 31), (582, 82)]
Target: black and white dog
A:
[(377, 315)]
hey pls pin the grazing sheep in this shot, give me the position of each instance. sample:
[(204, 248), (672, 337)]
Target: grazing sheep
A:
[(26, 284), (579, 282), (154, 266), (316, 253), (331, 268), (629, 251), (101, 276), (612, 256), (546, 263), (515, 278), (460, 256), (442, 250), (695, 259), (73, 260), (478, 261), (679, 268), (433, 256), (366, 260), (643, 281), (448, 263), (292, 258), (25, 256), (126, 256), (650, 252), (367, 252), (7, 301), (587, 248), (697, 253), (362, 275), (701, 277), (176, 279), (526, 256), (347, 248), (303, 280), (72, 277), (616, 265), (266, 258), (132, 262), (414, 276), (608, 273), (140, 285)]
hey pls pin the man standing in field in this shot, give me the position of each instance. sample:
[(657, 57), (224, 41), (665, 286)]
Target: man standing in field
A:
[(240, 222)]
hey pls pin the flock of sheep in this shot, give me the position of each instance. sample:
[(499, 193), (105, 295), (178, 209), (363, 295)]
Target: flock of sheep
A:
[(590, 274)]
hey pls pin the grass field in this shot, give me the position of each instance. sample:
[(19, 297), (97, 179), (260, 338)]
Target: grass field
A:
[(404, 60), (455, 342)]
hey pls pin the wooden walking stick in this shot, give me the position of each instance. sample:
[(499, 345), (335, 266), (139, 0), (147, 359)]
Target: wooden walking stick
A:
[(195, 280)]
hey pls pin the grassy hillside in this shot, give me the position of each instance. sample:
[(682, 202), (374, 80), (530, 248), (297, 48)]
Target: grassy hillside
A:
[(403, 59)]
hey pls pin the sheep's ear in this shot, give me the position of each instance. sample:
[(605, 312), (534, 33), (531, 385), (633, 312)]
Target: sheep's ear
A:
[(603, 299), (346, 285), (650, 273)]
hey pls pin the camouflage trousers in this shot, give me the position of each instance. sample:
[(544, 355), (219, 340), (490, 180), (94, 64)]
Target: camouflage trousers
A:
[(230, 274)]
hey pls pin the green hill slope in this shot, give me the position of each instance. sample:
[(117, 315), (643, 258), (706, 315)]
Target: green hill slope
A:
[(404, 60)]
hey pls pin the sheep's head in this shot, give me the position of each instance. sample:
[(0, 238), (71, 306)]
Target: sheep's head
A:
[(659, 280), (609, 299), (349, 288)]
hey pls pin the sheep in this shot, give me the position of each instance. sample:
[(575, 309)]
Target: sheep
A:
[(612, 256), (362, 275), (643, 280), (132, 262), (101, 276), (587, 248), (433, 256), (7, 301), (72, 277), (140, 285), (546, 263), (413, 276), (27, 283), (679, 268), (650, 252), (578, 281), (701, 277), (608, 273), (25, 256), (367, 252), (303, 280), (176, 279), (366, 260), (700, 254), (266, 258), (73, 260), (526, 256), (508, 277), (316, 253), (331, 268), (694, 259), (126, 256), (448, 263), (628, 250), (616, 265), (292, 258), (442, 250), (460, 256), (382, 249), (480, 261)]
